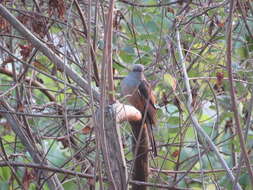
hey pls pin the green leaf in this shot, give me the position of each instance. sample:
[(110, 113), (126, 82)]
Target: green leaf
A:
[(5, 173), (56, 155), (4, 185), (9, 138), (170, 80), (245, 182), (127, 55)]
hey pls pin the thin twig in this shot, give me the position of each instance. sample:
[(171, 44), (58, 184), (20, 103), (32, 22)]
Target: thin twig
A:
[(154, 5)]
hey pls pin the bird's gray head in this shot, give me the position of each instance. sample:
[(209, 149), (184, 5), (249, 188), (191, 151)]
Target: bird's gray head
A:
[(138, 68)]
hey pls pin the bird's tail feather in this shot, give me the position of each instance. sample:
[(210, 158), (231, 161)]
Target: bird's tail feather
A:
[(152, 139)]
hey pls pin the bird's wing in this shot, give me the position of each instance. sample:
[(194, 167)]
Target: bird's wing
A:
[(146, 93), (148, 99)]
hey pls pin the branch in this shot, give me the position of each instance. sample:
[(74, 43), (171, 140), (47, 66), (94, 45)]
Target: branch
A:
[(48, 168), (154, 5), (108, 47), (107, 133), (213, 171), (126, 113), (109, 138)]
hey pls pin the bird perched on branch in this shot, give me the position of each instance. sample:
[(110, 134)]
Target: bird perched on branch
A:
[(139, 94)]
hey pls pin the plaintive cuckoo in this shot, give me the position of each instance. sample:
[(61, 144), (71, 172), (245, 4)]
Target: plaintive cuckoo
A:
[(139, 94)]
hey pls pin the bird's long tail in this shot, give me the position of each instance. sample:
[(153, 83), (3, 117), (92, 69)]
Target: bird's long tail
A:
[(151, 138)]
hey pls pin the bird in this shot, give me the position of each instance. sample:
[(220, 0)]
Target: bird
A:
[(139, 94)]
